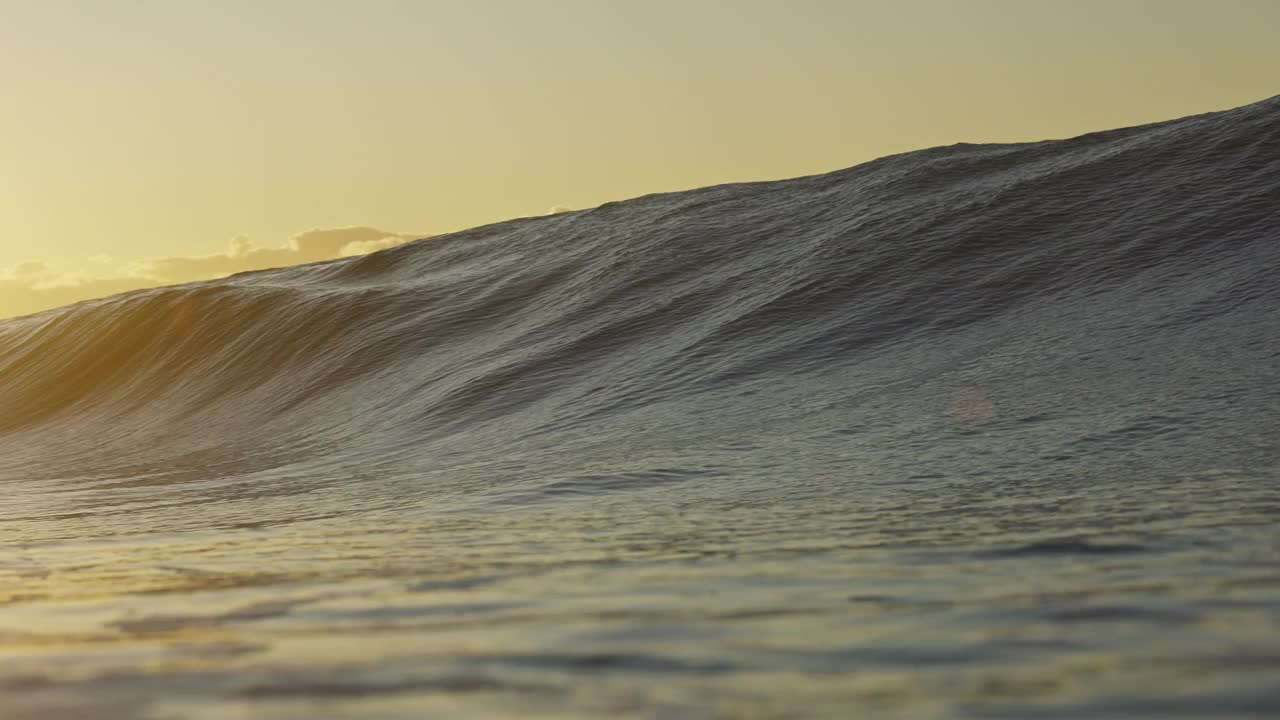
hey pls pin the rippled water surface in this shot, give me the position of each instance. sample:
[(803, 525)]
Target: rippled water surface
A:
[(972, 432), (1147, 598)]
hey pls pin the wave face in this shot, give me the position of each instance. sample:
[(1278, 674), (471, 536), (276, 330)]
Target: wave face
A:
[(1001, 354)]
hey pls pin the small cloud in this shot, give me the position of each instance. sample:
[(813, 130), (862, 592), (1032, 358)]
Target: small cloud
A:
[(323, 244), (556, 210), (34, 286), (243, 255), (241, 246), (364, 247), (52, 280), (28, 269)]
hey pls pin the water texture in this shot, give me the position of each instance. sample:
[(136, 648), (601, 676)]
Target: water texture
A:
[(979, 431)]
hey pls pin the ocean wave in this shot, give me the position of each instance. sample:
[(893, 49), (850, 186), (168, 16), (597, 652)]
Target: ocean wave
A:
[(971, 265)]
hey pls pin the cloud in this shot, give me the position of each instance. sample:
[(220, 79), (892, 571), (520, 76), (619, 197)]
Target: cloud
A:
[(364, 247), (556, 210), (26, 295), (34, 286), (29, 269), (243, 255)]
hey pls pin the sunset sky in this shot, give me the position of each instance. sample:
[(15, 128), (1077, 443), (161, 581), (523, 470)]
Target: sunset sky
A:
[(149, 141)]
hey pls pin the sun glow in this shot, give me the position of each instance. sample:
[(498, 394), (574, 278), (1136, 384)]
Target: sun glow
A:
[(161, 130)]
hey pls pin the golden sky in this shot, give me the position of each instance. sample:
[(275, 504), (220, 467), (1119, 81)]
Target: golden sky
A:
[(139, 135)]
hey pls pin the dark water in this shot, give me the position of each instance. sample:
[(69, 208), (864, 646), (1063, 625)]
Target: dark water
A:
[(971, 432)]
